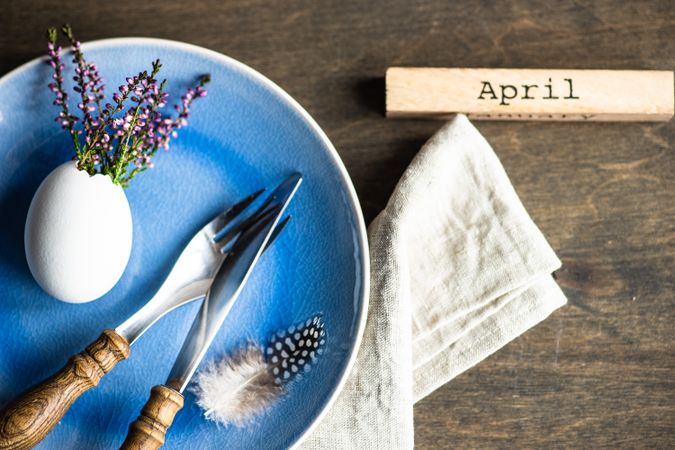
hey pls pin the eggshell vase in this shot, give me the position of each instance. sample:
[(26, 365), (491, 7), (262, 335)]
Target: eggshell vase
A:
[(78, 234)]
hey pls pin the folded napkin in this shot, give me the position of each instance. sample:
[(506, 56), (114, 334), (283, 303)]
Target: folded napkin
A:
[(458, 269)]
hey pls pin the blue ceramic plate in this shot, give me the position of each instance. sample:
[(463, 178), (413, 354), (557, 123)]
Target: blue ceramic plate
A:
[(246, 134)]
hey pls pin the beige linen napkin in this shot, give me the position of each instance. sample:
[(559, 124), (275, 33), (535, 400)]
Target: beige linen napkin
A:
[(458, 269)]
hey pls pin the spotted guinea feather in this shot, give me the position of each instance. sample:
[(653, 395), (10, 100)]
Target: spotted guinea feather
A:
[(293, 350), (235, 390)]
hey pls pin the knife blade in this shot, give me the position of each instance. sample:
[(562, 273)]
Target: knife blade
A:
[(149, 429), (33, 414)]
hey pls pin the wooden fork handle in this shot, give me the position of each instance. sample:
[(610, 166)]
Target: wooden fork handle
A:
[(148, 432), (31, 416)]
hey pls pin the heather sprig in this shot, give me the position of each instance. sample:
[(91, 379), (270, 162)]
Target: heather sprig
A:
[(115, 139)]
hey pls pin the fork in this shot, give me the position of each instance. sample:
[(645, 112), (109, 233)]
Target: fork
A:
[(32, 415)]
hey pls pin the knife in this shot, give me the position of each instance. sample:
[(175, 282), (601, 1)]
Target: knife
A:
[(31, 416), (148, 431)]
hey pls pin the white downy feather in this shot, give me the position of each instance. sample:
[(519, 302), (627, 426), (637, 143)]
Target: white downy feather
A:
[(236, 390)]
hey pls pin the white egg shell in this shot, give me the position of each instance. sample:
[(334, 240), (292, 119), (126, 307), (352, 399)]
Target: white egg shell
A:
[(78, 234)]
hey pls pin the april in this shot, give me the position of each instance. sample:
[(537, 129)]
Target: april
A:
[(508, 92)]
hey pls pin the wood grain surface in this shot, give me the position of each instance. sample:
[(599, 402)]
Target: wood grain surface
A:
[(601, 371), (31, 416), (148, 431), (560, 95)]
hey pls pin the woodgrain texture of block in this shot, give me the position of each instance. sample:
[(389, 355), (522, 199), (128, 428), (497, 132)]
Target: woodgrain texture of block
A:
[(531, 94)]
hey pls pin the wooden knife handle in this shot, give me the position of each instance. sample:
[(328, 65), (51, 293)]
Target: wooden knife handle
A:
[(149, 430), (31, 416)]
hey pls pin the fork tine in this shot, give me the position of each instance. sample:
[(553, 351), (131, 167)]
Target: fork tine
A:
[(223, 248), (219, 224), (225, 236)]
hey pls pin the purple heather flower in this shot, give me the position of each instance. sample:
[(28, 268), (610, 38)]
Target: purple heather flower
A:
[(116, 138)]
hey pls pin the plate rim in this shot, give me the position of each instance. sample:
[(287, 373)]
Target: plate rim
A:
[(332, 152)]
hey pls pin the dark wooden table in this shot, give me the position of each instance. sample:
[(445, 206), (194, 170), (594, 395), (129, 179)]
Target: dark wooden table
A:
[(599, 372)]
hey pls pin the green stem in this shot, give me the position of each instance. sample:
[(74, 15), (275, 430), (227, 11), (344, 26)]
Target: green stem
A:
[(122, 159)]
